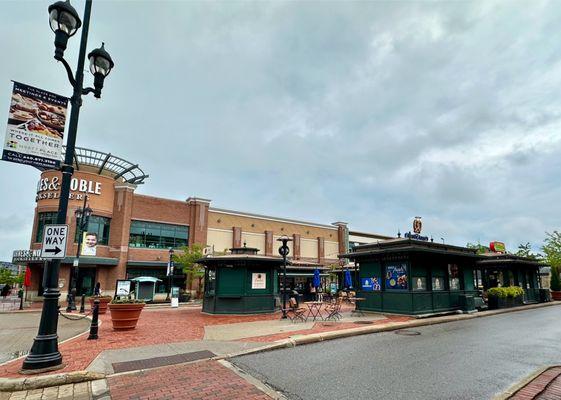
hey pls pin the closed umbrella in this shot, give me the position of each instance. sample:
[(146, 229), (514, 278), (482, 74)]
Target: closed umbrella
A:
[(348, 279), (316, 282)]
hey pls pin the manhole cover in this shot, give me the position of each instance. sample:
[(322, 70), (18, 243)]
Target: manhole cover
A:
[(364, 322), (406, 332)]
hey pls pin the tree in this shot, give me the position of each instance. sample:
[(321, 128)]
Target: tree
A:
[(479, 247), (187, 258), (7, 276), (552, 249), (525, 250)]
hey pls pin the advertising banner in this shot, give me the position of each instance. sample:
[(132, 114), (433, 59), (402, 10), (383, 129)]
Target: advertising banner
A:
[(258, 281), (396, 276), (89, 244), (370, 284), (35, 127)]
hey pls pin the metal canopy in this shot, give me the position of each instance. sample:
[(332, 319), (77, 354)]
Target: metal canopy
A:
[(117, 167)]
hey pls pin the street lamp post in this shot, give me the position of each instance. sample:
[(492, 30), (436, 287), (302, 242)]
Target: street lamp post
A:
[(65, 22), (82, 219), (170, 272), (284, 250)]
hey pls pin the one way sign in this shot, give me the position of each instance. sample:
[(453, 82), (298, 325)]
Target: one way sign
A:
[(54, 241)]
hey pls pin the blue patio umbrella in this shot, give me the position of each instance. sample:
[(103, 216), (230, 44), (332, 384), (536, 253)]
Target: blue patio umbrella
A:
[(348, 279), (317, 281)]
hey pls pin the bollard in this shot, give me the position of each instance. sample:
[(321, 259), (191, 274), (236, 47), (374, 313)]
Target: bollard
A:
[(94, 325), (82, 308)]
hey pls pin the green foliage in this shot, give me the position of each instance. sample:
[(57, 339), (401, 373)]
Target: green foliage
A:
[(504, 292), (187, 258), (7, 276), (126, 300), (525, 250), (479, 247), (555, 283), (552, 249)]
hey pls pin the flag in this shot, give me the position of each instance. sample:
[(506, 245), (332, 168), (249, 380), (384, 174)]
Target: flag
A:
[(27, 279)]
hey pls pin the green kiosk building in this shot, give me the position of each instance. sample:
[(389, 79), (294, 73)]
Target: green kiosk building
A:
[(242, 282)]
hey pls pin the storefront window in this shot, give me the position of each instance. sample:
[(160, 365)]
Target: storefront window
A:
[(419, 283), (210, 283), (453, 277), (437, 283), (100, 226), (159, 236), (396, 276), (46, 218)]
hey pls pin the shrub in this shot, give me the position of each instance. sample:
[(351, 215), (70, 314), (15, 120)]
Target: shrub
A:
[(504, 292), (555, 283)]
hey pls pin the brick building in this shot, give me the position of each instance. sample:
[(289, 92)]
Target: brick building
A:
[(135, 231)]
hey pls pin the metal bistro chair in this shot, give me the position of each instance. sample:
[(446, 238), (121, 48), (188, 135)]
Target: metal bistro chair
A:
[(333, 310), (295, 313)]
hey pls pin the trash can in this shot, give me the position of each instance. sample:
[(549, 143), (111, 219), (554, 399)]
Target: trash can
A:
[(467, 302), (545, 295)]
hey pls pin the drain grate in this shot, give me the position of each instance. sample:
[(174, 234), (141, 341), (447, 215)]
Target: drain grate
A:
[(407, 332), (364, 322)]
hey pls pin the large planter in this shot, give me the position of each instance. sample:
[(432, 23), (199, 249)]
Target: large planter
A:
[(124, 316), (504, 302), (555, 295), (103, 302)]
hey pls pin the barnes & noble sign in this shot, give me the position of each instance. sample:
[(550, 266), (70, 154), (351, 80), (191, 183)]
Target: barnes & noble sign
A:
[(49, 188)]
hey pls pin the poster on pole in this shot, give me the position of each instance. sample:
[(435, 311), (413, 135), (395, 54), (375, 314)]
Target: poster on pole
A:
[(35, 131)]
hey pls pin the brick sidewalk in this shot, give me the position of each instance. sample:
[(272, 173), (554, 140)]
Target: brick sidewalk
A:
[(207, 380), (547, 386)]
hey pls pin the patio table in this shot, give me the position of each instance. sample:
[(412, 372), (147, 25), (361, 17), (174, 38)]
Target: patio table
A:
[(314, 309), (357, 311)]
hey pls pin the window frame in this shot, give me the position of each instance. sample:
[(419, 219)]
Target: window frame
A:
[(148, 235)]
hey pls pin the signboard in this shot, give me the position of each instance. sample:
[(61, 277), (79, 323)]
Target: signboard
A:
[(333, 288), (175, 297), (396, 276), (497, 247), (54, 241), (123, 287), (35, 129), (89, 244), (370, 284), (259, 280), (23, 256)]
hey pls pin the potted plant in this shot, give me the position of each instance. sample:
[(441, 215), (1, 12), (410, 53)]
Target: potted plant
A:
[(125, 312), (555, 284), (504, 297), (103, 302)]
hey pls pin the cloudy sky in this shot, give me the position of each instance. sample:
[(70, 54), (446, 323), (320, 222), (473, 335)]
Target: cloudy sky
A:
[(366, 112)]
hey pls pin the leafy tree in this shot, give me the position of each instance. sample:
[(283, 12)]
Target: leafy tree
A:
[(552, 249), (555, 283), (7, 276), (479, 247), (187, 258), (525, 250)]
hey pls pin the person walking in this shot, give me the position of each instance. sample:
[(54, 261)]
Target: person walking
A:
[(97, 289), (6, 291)]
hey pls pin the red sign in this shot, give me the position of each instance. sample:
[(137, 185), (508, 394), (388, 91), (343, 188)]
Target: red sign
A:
[(497, 247), (27, 279)]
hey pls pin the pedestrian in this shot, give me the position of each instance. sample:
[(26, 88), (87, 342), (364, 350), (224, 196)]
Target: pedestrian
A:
[(97, 289), (5, 290)]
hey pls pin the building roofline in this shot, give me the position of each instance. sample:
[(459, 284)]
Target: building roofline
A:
[(370, 235)]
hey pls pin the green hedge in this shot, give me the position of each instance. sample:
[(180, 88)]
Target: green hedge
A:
[(504, 292)]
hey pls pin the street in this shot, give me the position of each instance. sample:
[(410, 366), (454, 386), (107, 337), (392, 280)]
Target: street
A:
[(473, 359)]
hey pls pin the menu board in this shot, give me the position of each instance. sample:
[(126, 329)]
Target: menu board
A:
[(396, 276), (35, 131), (258, 280)]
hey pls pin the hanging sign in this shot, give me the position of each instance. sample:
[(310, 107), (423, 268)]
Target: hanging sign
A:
[(35, 127)]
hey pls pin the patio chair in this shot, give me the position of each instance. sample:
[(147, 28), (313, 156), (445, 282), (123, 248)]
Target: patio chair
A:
[(333, 310), (295, 313)]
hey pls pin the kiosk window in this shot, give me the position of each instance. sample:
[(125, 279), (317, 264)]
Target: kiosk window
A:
[(419, 283), (454, 277)]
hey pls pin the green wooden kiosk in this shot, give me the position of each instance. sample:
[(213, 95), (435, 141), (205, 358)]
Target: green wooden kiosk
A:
[(242, 282), (414, 277)]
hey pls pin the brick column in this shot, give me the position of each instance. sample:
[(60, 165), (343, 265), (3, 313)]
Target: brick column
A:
[(321, 250), (198, 223), (268, 243), (342, 236), (296, 246), (237, 236)]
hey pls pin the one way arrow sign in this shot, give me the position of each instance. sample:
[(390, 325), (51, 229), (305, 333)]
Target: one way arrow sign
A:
[(54, 241)]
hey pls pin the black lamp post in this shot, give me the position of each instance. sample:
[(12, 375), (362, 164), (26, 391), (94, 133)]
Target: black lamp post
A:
[(284, 251), (65, 22), (170, 272), (82, 219)]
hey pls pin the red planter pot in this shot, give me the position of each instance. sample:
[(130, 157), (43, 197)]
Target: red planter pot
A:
[(103, 302), (555, 295), (125, 316)]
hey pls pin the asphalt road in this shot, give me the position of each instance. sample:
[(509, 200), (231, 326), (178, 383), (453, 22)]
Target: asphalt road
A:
[(472, 359)]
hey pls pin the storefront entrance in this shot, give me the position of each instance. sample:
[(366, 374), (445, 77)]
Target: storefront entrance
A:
[(86, 280)]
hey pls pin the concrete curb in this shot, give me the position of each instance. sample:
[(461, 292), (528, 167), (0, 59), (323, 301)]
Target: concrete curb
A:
[(268, 390), (525, 381), (39, 382)]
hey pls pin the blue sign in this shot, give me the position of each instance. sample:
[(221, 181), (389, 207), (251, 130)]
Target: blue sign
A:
[(396, 276), (370, 284)]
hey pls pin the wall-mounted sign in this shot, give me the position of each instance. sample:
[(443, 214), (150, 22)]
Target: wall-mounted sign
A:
[(370, 284), (35, 127), (396, 276), (21, 256), (49, 188), (259, 280), (497, 247)]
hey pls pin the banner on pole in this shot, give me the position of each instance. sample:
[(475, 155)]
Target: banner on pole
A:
[(35, 131)]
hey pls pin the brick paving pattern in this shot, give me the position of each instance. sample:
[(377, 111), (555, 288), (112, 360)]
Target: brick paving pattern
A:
[(206, 380), (547, 386), (161, 361), (180, 325)]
